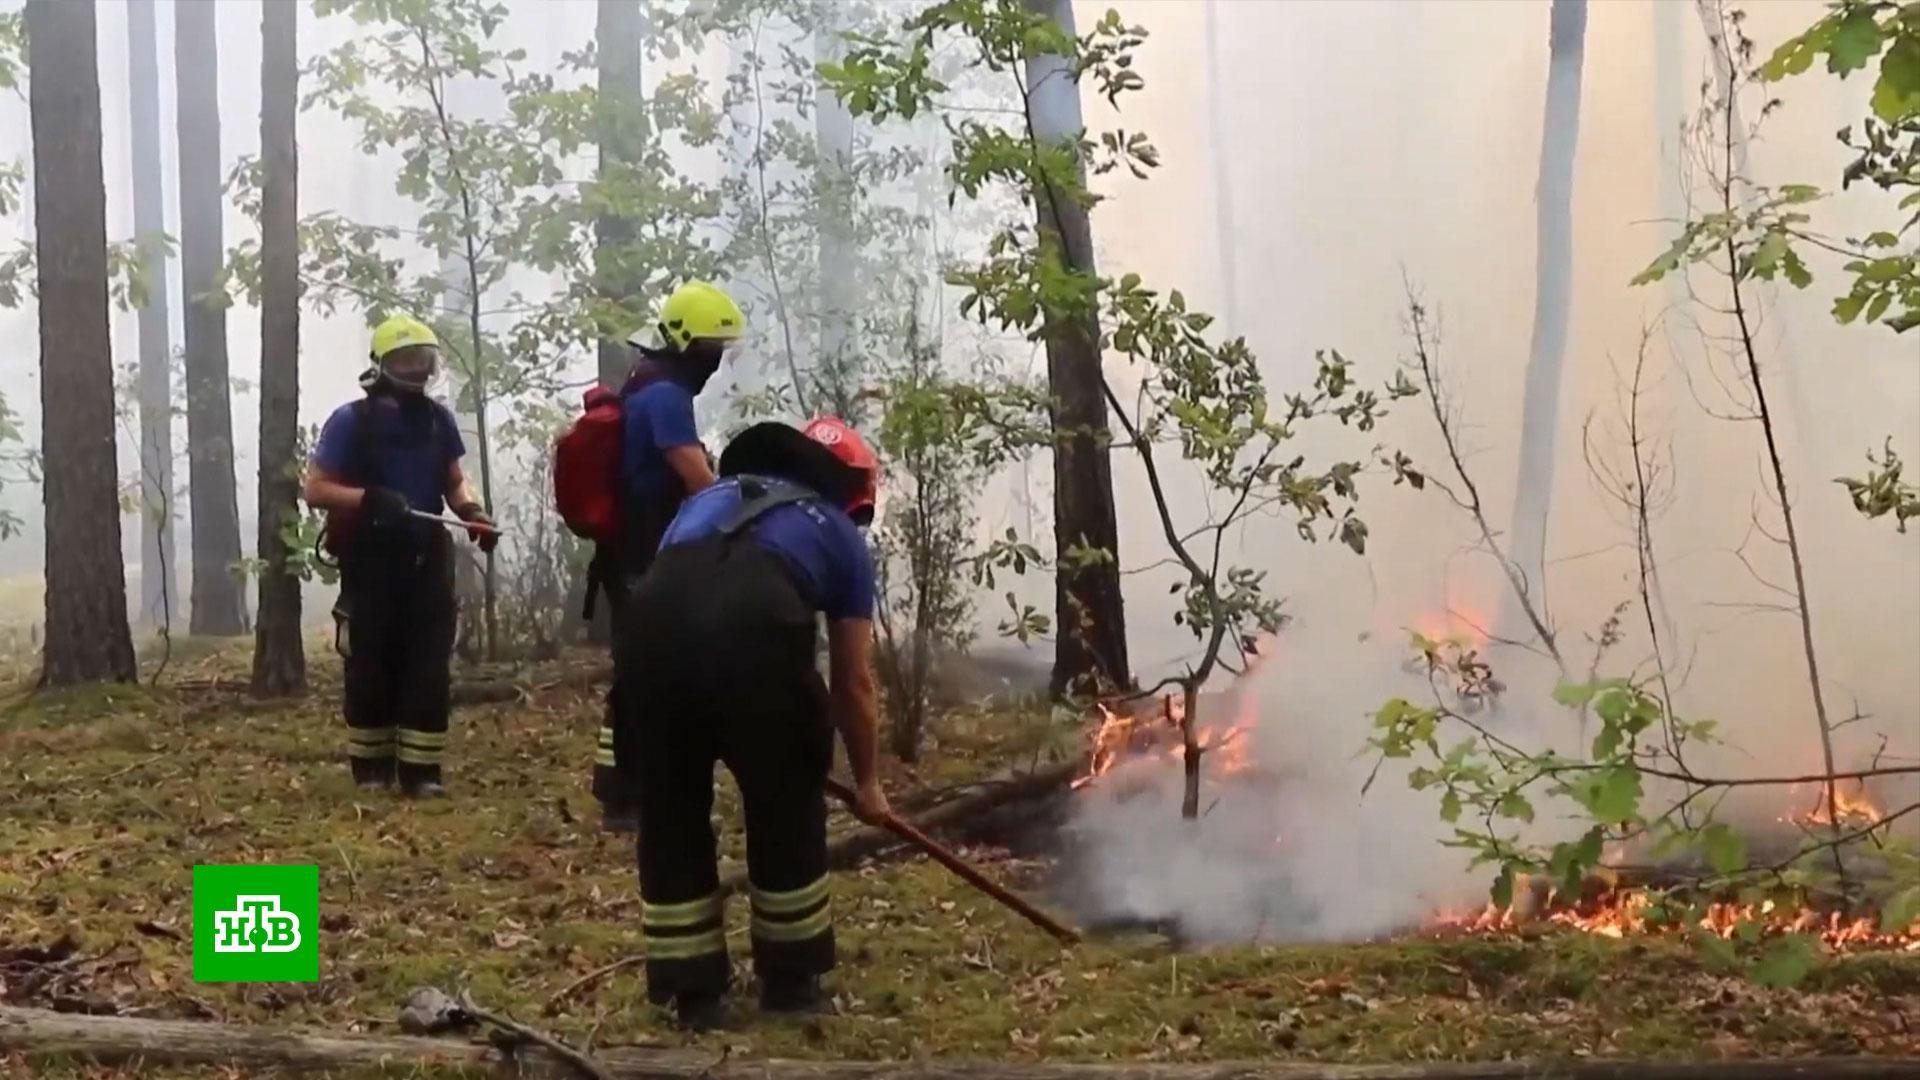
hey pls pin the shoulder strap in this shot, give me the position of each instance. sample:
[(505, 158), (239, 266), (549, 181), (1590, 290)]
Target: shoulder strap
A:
[(759, 494), (361, 457)]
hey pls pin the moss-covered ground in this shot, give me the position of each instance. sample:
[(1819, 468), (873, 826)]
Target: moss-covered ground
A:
[(109, 797)]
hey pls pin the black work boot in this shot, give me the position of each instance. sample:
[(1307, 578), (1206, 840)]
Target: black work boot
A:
[(622, 820), (421, 781), (701, 1011), (796, 994), (372, 774)]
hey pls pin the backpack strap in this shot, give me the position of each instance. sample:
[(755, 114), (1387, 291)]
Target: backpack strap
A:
[(360, 457), (759, 494)]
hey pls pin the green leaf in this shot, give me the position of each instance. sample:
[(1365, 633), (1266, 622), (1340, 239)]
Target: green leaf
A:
[(1450, 807), (1611, 795), (1786, 962), (1515, 805), (1725, 849), (1847, 308), (1896, 96), (1796, 270), (1575, 695), (1879, 306), (1608, 741), (1795, 55), (1391, 713), (1901, 911), (1767, 254), (1856, 40)]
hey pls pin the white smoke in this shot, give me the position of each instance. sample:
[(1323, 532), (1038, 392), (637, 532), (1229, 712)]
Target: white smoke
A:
[(1292, 848)]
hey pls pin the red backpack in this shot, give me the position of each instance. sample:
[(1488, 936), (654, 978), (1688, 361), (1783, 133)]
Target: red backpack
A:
[(586, 469)]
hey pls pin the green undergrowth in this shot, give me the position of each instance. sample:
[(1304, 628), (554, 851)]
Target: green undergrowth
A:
[(508, 889)]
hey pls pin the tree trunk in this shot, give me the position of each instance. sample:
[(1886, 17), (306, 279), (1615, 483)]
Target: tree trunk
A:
[(87, 635), (219, 601), (1553, 287), (623, 132), (159, 591), (1090, 630), (113, 1040), (279, 658), (1225, 235), (835, 356)]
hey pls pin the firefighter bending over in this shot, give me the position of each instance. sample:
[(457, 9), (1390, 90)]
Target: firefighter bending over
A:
[(391, 452), (661, 463), (722, 650)]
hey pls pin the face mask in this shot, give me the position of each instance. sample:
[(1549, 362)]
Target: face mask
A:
[(410, 369), (699, 361)]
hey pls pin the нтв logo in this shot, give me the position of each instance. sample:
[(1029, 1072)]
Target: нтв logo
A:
[(256, 923)]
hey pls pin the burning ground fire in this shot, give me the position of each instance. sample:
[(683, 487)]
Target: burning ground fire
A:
[(1615, 913), (1158, 737), (1147, 747)]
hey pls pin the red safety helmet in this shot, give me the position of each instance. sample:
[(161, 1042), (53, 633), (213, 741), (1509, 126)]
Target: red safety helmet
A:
[(847, 445)]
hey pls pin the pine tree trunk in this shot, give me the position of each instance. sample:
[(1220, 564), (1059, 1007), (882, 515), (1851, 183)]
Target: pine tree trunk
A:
[(279, 657), (1090, 630), (1553, 289), (159, 587), (87, 635), (623, 131), (219, 601)]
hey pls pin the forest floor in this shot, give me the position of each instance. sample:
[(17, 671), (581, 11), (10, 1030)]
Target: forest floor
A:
[(108, 797)]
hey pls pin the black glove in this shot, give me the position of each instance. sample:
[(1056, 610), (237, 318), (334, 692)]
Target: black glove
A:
[(384, 507), (471, 513)]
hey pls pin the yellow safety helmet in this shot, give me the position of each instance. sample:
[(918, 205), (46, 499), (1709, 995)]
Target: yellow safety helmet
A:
[(699, 311), (399, 332)]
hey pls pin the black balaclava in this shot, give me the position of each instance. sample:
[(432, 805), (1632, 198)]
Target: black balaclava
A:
[(690, 367)]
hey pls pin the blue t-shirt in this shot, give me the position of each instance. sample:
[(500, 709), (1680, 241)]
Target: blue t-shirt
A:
[(655, 418), (817, 541), (410, 450)]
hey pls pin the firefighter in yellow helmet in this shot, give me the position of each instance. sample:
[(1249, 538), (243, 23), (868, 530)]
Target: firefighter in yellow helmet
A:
[(662, 461), (392, 452)]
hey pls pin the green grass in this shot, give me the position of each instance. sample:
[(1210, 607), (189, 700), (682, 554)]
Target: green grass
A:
[(110, 796)]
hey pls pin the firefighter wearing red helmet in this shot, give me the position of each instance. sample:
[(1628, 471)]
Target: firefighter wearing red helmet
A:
[(724, 653)]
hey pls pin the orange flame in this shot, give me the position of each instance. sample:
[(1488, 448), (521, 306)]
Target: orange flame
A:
[(1617, 913), (1123, 738), (1853, 807)]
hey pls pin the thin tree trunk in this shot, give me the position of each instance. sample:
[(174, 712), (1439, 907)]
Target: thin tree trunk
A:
[(1553, 288), (1225, 236), (279, 658), (159, 592), (87, 635), (219, 600), (1090, 622), (623, 131), (490, 580), (833, 182)]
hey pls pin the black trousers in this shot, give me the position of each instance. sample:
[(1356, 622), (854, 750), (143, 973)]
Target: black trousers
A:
[(619, 568), (398, 585), (720, 650)]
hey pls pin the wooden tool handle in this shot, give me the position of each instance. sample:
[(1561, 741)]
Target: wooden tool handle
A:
[(945, 857)]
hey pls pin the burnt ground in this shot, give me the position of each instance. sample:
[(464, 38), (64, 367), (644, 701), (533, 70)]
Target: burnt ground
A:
[(110, 796)]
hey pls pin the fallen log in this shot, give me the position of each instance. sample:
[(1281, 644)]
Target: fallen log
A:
[(112, 1040), (494, 691), (868, 840)]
